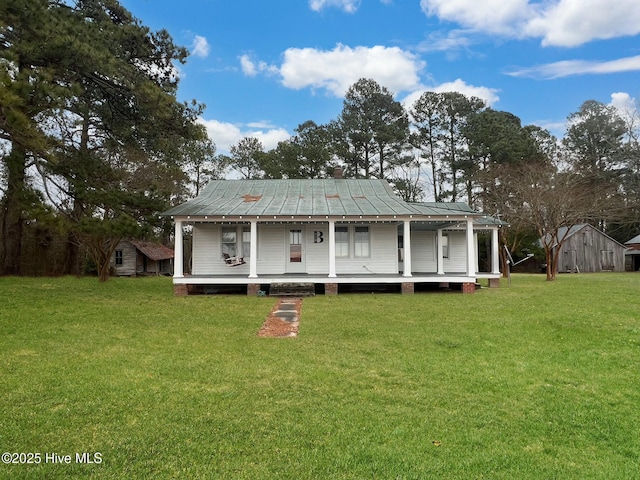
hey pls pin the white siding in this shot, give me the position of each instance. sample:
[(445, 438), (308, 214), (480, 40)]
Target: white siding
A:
[(423, 252), (207, 252), (317, 249), (384, 252), (271, 249), (273, 244), (206, 249), (457, 261)]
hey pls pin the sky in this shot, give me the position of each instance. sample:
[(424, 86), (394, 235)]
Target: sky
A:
[(263, 67)]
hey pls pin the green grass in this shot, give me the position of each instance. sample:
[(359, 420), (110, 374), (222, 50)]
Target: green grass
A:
[(534, 381)]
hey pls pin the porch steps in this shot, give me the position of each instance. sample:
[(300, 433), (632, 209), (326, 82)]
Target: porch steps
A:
[(292, 289)]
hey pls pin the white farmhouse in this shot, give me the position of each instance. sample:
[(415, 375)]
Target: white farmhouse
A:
[(328, 233)]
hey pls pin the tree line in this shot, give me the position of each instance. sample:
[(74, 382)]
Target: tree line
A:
[(453, 148), (94, 140), (95, 145)]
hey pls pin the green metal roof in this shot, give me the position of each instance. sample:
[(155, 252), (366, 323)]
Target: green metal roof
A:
[(489, 221), (331, 197), (444, 208)]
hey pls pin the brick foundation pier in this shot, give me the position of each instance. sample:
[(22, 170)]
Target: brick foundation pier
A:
[(408, 288), (468, 288), (180, 290), (330, 288)]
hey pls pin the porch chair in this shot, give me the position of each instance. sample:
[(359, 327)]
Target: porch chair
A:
[(233, 261)]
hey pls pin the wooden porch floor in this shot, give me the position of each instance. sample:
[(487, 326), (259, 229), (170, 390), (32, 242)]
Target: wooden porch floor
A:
[(339, 279)]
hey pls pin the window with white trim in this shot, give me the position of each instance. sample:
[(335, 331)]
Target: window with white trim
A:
[(362, 242), (295, 245), (246, 242), (445, 245), (229, 241), (342, 241)]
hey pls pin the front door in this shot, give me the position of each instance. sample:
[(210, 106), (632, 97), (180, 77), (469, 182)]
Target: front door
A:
[(295, 253)]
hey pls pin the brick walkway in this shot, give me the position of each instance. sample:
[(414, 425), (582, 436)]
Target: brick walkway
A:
[(283, 320)]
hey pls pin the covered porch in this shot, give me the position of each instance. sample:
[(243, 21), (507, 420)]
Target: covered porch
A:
[(404, 247), (329, 233)]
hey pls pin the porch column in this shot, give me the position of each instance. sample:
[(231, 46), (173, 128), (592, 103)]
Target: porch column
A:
[(495, 255), (471, 251), (406, 242), (178, 252), (332, 248), (476, 253), (253, 249), (440, 255)]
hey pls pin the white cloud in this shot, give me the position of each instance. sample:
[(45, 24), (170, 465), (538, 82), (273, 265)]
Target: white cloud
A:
[(338, 69), (251, 69), (200, 47), (449, 41), (623, 101), (489, 95), (248, 67), (410, 99), (349, 6), (628, 108), (570, 23), (568, 68), (566, 23), (491, 16), (225, 134), (270, 138)]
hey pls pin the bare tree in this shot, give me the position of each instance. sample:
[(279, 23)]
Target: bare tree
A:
[(539, 197)]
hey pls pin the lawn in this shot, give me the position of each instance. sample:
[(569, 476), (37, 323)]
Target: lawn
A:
[(534, 381)]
